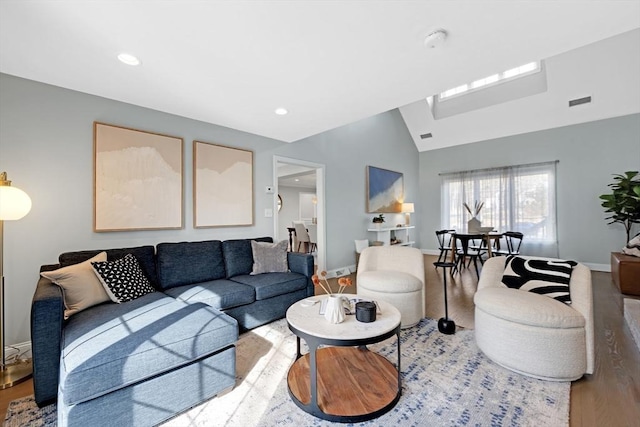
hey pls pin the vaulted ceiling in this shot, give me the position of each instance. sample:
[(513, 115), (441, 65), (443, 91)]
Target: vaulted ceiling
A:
[(329, 63)]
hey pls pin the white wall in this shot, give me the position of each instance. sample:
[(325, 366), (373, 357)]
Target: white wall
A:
[(589, 154), (381, 140), (46, 147), (607, 71)]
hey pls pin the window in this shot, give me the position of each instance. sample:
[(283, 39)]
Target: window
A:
[(521, 71), (516, 198)]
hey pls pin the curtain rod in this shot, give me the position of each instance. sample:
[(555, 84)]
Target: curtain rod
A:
[(499, 167)]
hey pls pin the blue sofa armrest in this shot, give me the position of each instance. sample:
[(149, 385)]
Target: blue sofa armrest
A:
[(302, 264), (47, 318)]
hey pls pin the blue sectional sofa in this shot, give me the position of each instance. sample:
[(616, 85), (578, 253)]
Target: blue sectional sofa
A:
[(144, 361)]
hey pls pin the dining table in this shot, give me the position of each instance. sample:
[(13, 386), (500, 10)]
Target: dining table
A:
[(292, 232), (465, 237)]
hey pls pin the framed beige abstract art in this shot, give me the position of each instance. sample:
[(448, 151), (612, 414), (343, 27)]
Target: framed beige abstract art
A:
[(138, 179), (222, 186)]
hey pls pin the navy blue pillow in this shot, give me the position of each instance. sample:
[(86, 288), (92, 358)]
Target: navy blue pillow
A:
[(186, 263), (238, 255)]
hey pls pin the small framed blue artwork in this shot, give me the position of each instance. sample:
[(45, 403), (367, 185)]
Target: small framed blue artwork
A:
[(385, 190)]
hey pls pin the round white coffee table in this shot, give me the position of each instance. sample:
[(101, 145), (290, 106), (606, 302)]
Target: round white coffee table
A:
[(340, 379)]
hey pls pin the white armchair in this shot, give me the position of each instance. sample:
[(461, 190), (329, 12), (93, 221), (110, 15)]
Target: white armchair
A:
[(394, 274), (533, 334)]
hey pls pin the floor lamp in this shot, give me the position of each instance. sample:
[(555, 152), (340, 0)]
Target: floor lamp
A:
[(14, 204)]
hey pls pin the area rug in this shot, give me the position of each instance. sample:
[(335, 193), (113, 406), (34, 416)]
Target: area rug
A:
[(446, 381)]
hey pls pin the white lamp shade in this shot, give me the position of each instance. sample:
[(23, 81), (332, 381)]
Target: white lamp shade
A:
[(14, 203), (407, 208)]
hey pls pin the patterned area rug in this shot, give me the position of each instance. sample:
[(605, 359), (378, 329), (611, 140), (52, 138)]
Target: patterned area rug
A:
[(446, 381)]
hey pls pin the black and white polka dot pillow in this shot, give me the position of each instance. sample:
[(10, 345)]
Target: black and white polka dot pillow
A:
[(123, 279)]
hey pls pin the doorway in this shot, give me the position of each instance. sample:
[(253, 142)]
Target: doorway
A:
[(293, 177)]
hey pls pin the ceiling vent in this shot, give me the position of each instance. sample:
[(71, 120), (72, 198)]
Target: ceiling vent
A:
[(578, 101), (426, 135)]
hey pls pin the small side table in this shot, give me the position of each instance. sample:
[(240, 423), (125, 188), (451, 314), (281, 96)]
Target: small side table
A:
[(445, 325), (625, 271), (339, 379)]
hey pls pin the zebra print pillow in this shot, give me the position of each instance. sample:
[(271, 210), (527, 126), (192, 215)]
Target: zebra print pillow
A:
[(545, 277)]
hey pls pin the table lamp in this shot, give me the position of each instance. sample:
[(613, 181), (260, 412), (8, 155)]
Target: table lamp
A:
[(407, 209), (14, 204)]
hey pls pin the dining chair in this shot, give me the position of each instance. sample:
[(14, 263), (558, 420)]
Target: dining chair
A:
[(444, 243), (513, 240), (312, 230), (302, 236), (465, 252)]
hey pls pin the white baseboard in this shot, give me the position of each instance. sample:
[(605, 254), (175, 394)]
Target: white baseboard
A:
[(598, 267), (21, 350), (431, 251), (340, 272), (593, 266)]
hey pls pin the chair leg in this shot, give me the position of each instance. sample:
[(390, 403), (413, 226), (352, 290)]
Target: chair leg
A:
[(475, 264)]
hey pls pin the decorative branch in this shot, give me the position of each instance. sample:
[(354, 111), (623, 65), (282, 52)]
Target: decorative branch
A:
[(477, 207)]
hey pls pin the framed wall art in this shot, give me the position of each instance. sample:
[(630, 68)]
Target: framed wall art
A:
[(385, 190), (222, 186), (138, 179)]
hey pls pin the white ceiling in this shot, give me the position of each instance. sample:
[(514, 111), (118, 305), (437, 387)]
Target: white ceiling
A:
[(290, 175), (329, 63)]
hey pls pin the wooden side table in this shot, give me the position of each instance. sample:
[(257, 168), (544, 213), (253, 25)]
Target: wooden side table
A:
[(339, 379), (625, 271)]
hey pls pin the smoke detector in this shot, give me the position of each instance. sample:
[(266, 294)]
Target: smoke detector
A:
[(435, 38)]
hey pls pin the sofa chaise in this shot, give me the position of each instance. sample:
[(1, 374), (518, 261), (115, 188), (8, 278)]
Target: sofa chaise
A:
[(144, 361)]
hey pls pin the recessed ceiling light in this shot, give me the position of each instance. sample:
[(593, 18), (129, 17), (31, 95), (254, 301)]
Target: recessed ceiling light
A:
[(128, 59), (281, 111)]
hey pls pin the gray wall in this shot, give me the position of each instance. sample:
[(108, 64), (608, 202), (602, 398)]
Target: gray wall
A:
[(589, 154), (46, 147), (382, 140)]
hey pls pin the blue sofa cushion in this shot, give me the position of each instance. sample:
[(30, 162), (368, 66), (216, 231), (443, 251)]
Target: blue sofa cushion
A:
[(221, 294), (113, 346), (144, 254), (189, 262), (238, 256), (273, 284)]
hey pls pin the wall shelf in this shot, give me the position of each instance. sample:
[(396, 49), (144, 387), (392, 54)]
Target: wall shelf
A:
[(386, 235)]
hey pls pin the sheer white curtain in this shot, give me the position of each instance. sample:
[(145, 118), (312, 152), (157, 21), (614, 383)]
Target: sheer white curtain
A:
[(516, 198)]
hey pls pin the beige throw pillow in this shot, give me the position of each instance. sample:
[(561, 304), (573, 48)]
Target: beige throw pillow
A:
[(80, 285)]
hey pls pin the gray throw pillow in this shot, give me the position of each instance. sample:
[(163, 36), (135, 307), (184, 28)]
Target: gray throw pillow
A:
[(269, 257)]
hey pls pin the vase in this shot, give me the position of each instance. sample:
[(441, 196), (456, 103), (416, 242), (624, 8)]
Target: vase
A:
[(334, 311), (473, 225)]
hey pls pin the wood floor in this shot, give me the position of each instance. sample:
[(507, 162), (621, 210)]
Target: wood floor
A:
[(610, 397)]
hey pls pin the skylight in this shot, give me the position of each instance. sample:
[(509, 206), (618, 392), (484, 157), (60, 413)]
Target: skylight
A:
[(513, 73)]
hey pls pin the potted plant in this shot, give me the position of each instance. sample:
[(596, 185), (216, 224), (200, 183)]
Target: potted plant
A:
[(623, 204), (378, 220)]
